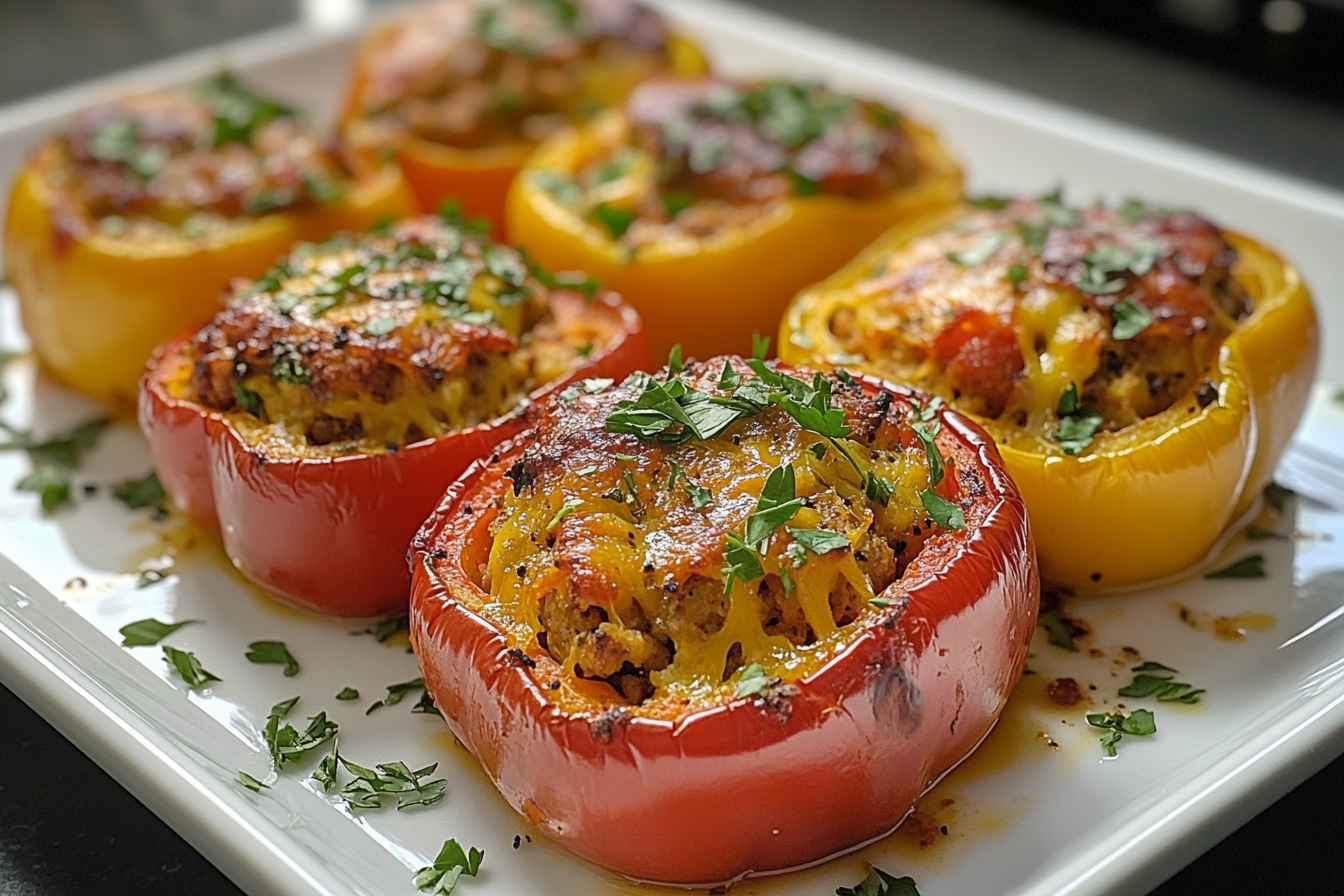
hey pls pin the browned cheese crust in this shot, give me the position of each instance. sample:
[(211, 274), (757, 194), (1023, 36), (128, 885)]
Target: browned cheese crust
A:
[(191, 159), (1004, 308), (473, 74), (618, 550), (372, 342)]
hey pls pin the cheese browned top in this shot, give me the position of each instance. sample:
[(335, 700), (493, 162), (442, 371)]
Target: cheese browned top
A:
[(693, 158), (483, 73), (668, 565), (191, 160), (371, 342), (1031, 313)]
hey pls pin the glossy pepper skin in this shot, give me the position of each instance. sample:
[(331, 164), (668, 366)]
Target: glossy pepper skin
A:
[(711, 294), (734, 788), (330, 533), (96, 305), (477, 177), (1151, 500)]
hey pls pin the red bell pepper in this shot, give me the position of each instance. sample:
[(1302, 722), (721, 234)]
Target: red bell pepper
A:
[(330, 532), (734, 786)]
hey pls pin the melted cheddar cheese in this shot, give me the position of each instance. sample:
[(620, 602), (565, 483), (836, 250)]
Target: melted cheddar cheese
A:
[(1028, 312), (613, 552), (364, 344), (694, 158)]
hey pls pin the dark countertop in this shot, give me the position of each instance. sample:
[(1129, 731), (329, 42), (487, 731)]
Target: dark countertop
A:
[(67, 828)]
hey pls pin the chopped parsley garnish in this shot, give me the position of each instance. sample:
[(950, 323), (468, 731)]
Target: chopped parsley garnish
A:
[(699, 495), (1058, 629), (426, 705), (979, 253), (942, 511), (1251, 566), (137, 493), (776, 506), (369, 786), (1139, 723), (251, 783), (273, 652), (378, 326), (288, 368), (617, 220), (751, 682), (880, 883), (119, 141), (187, 666), (1155, 680), (1017, 273), (286, 743), (1131, 319), (51, 482), (247, 400), (397, 692), (1277, 496), (238, 111), (564, 190), (819, 541), (1077, 424), (149, 632), (386, 628), (440, 878), (61, 450), (676, 203), (743, 562), (926, 432), (348, 693), (570, 505), (1106, 259)]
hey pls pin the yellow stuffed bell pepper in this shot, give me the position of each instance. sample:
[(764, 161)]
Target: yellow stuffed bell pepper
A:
[(1141, 370), (460, 92), (123, 230), (708, 204)]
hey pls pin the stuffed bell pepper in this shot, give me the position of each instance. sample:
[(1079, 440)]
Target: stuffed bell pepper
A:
[(727, 619), (461, 91), (708, 204), (124, 228), (1141, 369), (317, 419)]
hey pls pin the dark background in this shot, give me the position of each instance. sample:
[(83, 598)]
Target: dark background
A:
[(1263, 81)]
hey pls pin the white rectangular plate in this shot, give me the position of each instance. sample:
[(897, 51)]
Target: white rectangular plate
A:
[(1036, 811)]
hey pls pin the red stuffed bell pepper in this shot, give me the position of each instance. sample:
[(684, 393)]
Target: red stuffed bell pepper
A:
[(318, 418), (726, 621)]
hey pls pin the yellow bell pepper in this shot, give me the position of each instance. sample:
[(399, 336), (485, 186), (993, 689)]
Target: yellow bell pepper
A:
[(711, 293), (1148, 501), (96, 304), (477, 172)]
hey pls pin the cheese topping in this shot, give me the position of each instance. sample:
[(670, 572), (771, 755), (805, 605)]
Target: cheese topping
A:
[(1051, 322), (368, 343), (617, 554)]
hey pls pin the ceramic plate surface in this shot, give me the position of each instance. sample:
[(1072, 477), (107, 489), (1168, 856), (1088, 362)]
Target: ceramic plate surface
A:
[(1036, 811)]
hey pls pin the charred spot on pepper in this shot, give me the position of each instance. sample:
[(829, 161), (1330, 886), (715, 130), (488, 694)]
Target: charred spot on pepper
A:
[(1206, 394), (521, 658)]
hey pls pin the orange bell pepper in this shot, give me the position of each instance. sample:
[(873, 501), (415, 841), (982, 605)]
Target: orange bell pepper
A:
[(96, 300), (1141, 502), (410, 60), (710, 291)]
